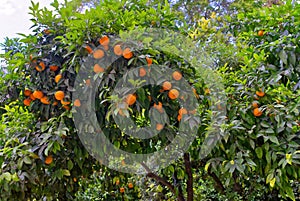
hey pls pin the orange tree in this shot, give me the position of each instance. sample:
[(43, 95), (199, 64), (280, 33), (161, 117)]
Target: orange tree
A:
[(260, 142), (259, 154)]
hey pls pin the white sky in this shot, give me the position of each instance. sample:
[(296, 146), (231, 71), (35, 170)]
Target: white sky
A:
[(14, 17)]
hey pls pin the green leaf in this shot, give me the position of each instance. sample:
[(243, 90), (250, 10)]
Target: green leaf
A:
[(259, 152), (283, 56), (66, 173), (27, 160), (290, 193), (274, 139)]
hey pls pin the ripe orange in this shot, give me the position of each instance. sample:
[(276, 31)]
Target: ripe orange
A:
[(260, 93), (104, 40), (195, 93), (149, 61), (98, 54), (159, 126), (64, 103), (55, 103), (45, 100), (130, 185), (88, 82), (74, 179), (38, 94), (127, 54), (260, 33), (131, 99), (142, 72), (98, 68), (77, 103), (48, 160), (88, 49), (176, 75), (57, 78), (66, 107), (106, 47), (118, 50), (255, 104), (182, 111), (257, 112), (53, 68), (40, 67), (32, 97), (27, 102), (123, 162), (179, 117), (47, 31), (158, 107), (173, 94), (122, 190), (27, 92), (167, 85), (59, 95), (117, 182)]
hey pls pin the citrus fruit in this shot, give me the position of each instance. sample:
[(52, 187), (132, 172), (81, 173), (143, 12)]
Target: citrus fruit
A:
[(173, 94), (59, 95)]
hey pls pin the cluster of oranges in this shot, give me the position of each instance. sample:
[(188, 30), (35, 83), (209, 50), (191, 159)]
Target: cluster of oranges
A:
[(122, 189), (257, 111)]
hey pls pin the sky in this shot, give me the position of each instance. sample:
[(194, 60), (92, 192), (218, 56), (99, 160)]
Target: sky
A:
[(14, 17)]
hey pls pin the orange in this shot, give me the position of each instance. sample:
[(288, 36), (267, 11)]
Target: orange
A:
[(195, 93), (255, 104), (53, 68), (47, 31), (40, 67), (122, 190), (27, 92), (38, 94), (57, 78), (127, 54), (257, 112), (88, 49), (123, 162), (260, 33), (117, 182), (55, 103), (159, 127), (59, 95), (131, 99), (98, 68), (106, 47), (118, 50), (260, 93), (77, 103), (48, 160), (98, 54), (66, 107), (74, 179), (27, 102), (176, 75), (65, 103), (173, 94), (149, 61), (45, 100), (167, 85), (182, 111), (179, 117), (142, 72), (88, 82), (130, 185), (158, 107), (104, 40), (32, 97)]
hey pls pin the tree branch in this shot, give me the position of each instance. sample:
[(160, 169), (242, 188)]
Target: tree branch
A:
[(189, 188), (217, 180), (163, 181)]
